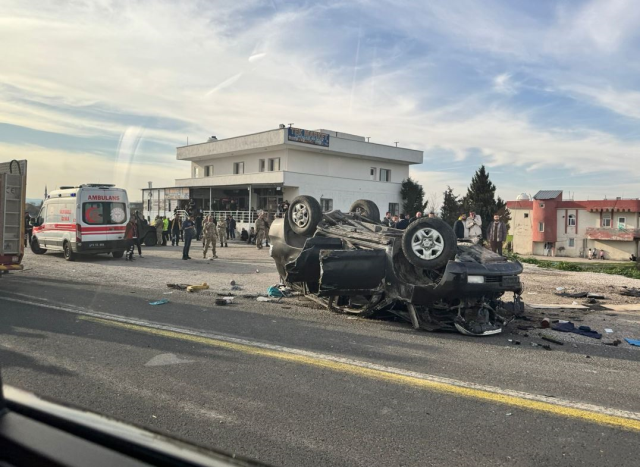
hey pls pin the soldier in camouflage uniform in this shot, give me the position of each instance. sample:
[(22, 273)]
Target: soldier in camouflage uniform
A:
[(222, 231), (210, 236), (261, 229)]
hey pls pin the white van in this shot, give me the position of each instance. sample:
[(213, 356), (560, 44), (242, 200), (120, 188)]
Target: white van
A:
[(88, 219)]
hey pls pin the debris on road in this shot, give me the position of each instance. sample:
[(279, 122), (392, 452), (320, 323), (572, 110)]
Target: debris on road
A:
[(195, 288), (607, 330), (596, 295), (263, 299), (159, 302), (551, 339), (635, 342), (178, 286), (545, 323), (582, 330), (630, 291), (232, 282)]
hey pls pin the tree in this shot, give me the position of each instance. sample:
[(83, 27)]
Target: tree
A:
[(412, 195), (481, 198), (451, 207)]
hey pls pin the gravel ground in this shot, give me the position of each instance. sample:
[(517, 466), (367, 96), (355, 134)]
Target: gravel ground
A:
[(240, 262), (162, 265)]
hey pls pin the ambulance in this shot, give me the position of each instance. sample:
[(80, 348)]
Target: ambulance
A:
[(84, 220)]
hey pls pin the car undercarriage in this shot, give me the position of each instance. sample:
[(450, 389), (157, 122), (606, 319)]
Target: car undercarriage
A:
[(352, 263)]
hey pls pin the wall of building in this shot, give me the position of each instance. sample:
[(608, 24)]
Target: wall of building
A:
[(521, 227), (323, 164), (342, 191), (224, 165)]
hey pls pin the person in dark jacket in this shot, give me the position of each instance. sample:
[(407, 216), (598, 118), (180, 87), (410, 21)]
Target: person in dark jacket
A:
[(404, 223), (189, 227), (198, 226), (231, 226), (387, 219), (28, 229), (497, 234), (460, 228)]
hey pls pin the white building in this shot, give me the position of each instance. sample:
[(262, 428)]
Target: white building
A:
[(260, 171)]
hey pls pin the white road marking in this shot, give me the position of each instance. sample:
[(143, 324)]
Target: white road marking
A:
[(166, 359), (348, 361)]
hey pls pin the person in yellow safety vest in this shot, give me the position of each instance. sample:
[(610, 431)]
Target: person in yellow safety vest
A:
[(210, 235), (222, 231), (165, 230)]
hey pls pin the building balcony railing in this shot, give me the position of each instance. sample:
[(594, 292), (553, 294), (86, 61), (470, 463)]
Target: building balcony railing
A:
[(241, 217)]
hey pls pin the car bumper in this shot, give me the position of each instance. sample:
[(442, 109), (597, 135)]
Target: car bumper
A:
[(95, 247)]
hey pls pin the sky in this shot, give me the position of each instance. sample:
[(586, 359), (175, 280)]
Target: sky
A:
[(545, 94)]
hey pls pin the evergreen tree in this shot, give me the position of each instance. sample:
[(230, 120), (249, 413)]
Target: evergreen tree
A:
[(412, 195), (451, 207), (481, 198)]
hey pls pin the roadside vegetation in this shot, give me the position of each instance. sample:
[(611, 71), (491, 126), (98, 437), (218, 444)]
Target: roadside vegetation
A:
[(621, 269)]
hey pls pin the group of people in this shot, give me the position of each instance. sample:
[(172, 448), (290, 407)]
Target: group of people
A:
[(402, 222), (471, 227), (594, 254)]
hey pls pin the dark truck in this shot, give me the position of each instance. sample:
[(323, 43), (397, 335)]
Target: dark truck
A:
[(352, 263)]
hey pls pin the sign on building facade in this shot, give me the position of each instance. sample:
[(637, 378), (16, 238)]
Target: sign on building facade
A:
[(176, 193), (308, 137)]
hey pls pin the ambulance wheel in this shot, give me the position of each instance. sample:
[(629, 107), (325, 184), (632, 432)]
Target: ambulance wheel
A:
[(35, 247), (117, 254), (69, 255)]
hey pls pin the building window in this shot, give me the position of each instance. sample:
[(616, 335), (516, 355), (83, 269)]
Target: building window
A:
[(385, 175), (327, 204), (606, 222), (541, 205), (274, 165), (372, 173), (622, 222), (238, 168), (394, 209), (261, 165), (540, 226), (208, 171), (196, 172), (572, 243), (526, 215), (571, 222)]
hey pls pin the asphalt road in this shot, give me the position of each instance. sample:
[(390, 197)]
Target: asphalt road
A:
[(298, 386)]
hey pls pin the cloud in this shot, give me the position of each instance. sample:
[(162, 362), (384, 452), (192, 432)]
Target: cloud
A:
[(503, 84)]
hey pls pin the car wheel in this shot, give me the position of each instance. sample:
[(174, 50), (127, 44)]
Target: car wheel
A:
[(35, 247), (366, 208), (429, 243), (304, 214), (151, 239), (69, 255), (117, 254)]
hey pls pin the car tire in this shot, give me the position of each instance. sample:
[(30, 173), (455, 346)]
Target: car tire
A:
[(429, 243), (366, 208), (35, 247), (68, 253), (117, 254), (151, 239), (304, 214)]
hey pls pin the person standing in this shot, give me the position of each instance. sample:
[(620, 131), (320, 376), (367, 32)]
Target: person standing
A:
[(165, 230), (232, 227), (130, 236), (394, 222), (159, 226), (387, 219), (222, 231), (189, 227), (176, 226), (460, 228), (267, 227), (28, 229), (497, 234), (199, 226), (210, 236), (602, 255), (260, 229), (474, 225), (404, 223), (137, 240)]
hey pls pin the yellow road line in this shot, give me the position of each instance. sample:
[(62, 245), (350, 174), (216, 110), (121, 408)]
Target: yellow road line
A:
[(478, 394)]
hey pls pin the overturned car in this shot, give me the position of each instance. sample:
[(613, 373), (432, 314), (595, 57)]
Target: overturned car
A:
[(352, 263)]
